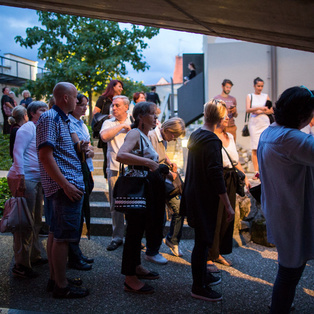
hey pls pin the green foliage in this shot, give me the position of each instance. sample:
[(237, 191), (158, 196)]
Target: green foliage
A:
[(5, 159), (5, 193), (86, 52), (130, 87)]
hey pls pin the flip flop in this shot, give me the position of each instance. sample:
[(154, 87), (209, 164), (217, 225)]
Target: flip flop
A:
[(223, 261), (212, 268)]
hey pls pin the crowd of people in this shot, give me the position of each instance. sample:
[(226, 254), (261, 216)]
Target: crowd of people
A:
[(52, 161)]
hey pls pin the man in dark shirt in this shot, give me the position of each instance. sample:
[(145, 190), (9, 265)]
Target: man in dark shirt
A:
[(7, 101), (153, 96)]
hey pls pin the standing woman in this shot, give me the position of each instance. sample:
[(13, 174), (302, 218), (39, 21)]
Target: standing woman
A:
[(203, 189), (27, 99), (151, 221), (224, 230), (137, 97), (286, 161), (24, 181), (114, 88), (79, 132), (18, 118), (259, 121)]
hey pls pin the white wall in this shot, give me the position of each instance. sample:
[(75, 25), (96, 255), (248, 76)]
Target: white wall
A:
[(241, 62)]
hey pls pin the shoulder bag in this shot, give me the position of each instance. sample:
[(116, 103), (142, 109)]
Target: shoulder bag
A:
[(245, 130), (130, 192), (240, 178), (16, 216)]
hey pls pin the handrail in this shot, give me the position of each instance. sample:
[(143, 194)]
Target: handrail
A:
[(164, 108), (2, 66)]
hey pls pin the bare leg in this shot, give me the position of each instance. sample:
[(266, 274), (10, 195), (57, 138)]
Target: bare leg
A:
[(254, 160), (59, 261), (134, 282), (49, 255)]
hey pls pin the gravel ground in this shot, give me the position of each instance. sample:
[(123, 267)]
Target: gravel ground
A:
[(246, 287)]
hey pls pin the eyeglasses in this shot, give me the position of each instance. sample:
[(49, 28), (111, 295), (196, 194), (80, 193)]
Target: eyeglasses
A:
[(302, 86)]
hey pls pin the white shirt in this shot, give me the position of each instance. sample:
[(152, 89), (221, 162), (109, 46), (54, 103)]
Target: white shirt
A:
[(115, 143), (25, 153), (232, 151)]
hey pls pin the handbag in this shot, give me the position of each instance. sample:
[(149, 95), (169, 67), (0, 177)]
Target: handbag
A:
[(16, 216), (130, 192), (175, 187), (240, 178), (245, 130), (97, 123)]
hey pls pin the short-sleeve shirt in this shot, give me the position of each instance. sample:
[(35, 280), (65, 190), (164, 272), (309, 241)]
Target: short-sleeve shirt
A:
[(53, 130), (81, 130), (26, 101), (230, 102), (115, 143), (159, 144)]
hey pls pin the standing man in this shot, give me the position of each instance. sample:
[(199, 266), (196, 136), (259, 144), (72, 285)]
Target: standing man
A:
[(231, 104), (153, 96), (62, 181), (7, 105), (113, 132)]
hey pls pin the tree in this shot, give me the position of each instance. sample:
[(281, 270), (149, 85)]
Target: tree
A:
[(84, 51)]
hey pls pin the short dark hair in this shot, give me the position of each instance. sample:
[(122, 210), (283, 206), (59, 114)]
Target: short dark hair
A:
[(80, 98), (294, 106), (141, 109), (256, 80), (34, 106), (226, 81), (3, 89), (153, 88)]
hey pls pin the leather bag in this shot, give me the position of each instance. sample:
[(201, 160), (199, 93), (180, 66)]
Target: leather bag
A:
[(240, 178), (16, 216), (130, 192)]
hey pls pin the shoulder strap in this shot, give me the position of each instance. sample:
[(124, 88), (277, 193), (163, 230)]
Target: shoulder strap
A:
[(229, 158), (247, 115)]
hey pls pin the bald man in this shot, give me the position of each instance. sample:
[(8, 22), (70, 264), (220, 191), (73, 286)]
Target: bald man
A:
[(62, 181)]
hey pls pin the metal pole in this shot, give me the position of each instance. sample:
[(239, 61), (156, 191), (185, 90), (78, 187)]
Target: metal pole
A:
[(274, 73), (172, 98)]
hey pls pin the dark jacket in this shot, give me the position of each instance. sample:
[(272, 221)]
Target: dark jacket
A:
[(204, 182)]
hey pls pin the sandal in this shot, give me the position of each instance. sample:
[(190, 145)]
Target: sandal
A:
[(212, 268), (146, 289), (152, 275), (223, 261)]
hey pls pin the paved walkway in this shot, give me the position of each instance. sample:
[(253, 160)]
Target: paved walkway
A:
[(246, 287)]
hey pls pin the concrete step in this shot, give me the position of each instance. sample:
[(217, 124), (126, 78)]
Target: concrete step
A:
[(98, 171), (103, 227), (100, 209), (99, 196)]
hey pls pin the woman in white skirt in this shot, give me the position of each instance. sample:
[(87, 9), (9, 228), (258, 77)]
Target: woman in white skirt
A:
[(259, 121)]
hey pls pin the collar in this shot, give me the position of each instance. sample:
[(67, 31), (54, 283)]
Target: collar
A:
[(159, 136), (63, 116)]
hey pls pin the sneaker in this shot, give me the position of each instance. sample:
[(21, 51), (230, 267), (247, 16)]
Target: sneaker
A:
[(24, 272), (173, 248), (212, 280), (206, 294), (70, 292), (158, 259)]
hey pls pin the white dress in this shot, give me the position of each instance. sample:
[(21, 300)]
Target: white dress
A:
[(232, 151), (258, 122)]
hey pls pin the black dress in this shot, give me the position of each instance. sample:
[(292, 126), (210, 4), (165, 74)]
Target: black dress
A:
[(204, 182)]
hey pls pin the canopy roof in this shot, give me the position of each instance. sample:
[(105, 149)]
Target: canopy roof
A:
[(285, 23)]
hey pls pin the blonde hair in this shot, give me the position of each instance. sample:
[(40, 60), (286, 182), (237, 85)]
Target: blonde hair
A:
[(18, 114), (211, 112), (175, 125), (222, 109)]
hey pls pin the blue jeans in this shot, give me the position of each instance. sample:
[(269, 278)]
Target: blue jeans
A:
[(65, 218), (284, 289), (175, 231)]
